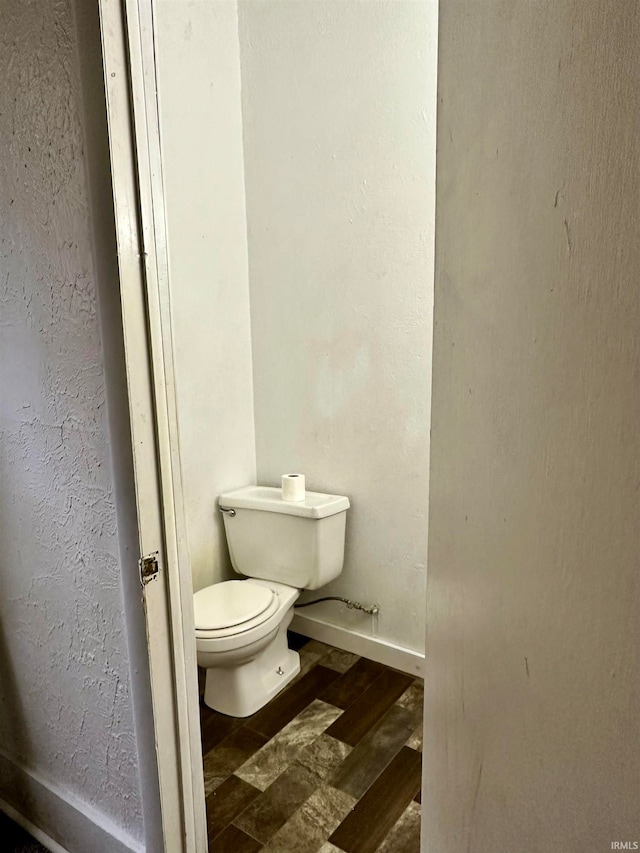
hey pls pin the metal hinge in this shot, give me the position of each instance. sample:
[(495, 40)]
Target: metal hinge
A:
[(148, 567)]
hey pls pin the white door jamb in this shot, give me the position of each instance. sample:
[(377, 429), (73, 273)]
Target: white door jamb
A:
[(130, 87)]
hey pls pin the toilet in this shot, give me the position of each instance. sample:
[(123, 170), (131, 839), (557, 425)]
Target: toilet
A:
[(280, 547)]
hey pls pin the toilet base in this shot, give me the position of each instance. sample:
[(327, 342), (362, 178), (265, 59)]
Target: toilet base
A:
[(241, 689)]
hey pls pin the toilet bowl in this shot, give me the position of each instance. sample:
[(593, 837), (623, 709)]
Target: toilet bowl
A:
[(282, 547), (241, 641)]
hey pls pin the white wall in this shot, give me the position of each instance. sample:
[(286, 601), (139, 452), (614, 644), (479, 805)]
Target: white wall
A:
[(532, 709), (339, 137), (201, 127), (68, 639)]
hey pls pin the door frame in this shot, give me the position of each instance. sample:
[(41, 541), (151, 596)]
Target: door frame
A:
[(128, 47)]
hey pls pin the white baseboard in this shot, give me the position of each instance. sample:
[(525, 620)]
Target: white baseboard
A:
[(373, 648), (54, 819)]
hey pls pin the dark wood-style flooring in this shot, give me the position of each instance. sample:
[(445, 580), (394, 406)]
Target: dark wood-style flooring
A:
[(331, 765)]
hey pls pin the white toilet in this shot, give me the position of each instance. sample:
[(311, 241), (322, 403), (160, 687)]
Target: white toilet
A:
[(241, 625)]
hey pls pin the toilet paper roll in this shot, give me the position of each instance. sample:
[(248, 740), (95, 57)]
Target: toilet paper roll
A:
[(293, 487)]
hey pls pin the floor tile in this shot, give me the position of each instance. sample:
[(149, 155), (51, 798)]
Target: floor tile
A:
[(307, 662), (364, 829), (323, 756), (226, 803), (415, 741), (329, 766), (233, 840), (232, 752), (313, 823), (273, 808), (288, 704), (215, 727), (339, 660), (370, 706), (274, 758), (374, 752), (346, 689), (413, 697), (316, 647), (404, 836), (310, 656)]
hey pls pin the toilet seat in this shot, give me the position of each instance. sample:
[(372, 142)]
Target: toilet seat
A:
[(232, 607)]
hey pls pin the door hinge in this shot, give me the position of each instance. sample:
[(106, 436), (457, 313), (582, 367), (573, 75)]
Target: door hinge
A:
[(148, 567)]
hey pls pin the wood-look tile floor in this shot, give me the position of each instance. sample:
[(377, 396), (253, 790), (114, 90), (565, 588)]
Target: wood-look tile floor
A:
[(331, 764)]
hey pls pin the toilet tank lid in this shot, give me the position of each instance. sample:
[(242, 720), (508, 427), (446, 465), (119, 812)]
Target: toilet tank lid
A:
[(314, 505)]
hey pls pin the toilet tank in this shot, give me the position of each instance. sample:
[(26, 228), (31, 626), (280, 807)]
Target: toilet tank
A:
[(300, 544)]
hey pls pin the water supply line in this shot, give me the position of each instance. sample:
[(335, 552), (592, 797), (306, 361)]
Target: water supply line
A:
[(371, 609)]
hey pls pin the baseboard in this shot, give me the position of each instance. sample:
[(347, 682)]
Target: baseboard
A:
[(373, 648), (54, 818), (32, 829)]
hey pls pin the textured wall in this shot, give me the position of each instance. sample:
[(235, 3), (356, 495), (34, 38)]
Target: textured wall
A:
[(532, 626), (339, 139), (65, 705), (199, 68)]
